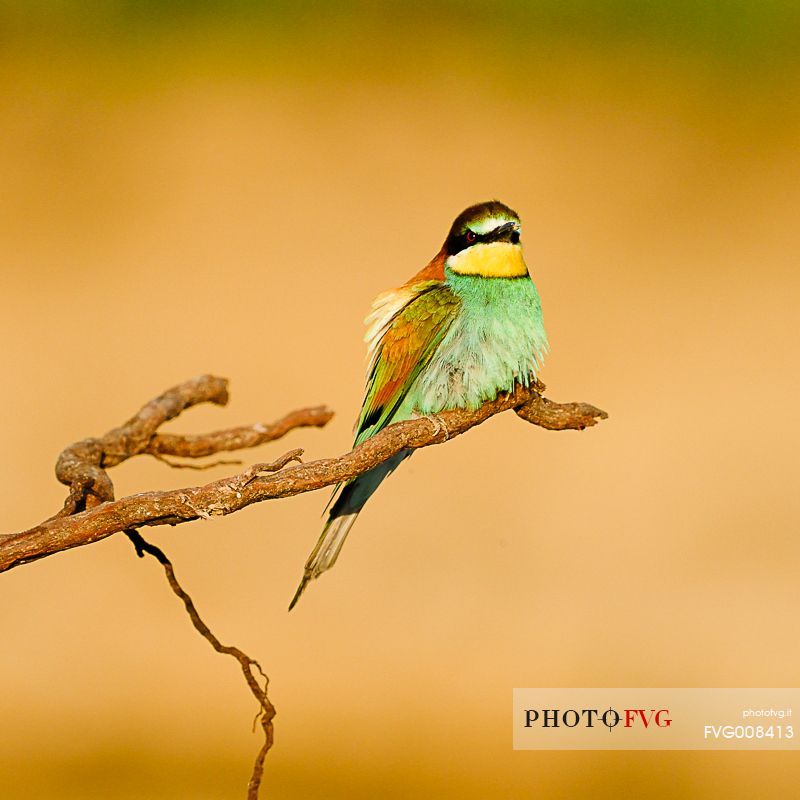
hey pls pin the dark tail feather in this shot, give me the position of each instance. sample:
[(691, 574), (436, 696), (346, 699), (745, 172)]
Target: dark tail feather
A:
[(342, 515)]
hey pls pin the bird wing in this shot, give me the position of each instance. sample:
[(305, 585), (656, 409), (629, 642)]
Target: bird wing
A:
[(405, 328)]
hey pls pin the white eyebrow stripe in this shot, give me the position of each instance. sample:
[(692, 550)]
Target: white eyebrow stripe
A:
[(489, 224)]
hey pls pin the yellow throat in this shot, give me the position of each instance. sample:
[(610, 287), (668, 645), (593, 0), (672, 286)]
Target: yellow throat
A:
[(492, 260)]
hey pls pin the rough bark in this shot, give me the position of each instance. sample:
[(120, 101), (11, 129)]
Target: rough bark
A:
[(91, 513)]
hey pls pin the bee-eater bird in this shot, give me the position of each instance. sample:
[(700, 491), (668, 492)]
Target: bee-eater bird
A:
[(465, 328)]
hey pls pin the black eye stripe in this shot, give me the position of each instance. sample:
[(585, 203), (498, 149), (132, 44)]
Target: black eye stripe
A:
[(456, 242)]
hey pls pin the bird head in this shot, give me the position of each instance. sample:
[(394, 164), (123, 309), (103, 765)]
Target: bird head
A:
[(484, 241)]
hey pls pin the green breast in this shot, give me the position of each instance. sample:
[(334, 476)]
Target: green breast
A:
[(497, 339)]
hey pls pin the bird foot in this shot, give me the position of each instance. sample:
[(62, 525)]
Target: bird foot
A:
[(439, 425)]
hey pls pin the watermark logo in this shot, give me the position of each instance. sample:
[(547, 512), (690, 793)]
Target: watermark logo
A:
[(655, 719), (611, 717)]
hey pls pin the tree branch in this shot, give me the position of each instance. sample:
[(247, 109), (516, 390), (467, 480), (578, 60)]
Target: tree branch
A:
[(82, 466), (96, 515), (91, 513), (249, 665)]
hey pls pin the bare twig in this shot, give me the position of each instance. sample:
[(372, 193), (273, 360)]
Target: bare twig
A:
[(229, 462), (267, 710), (236, 438)]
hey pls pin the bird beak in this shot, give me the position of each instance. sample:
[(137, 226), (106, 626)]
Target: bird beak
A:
[(504, 232)]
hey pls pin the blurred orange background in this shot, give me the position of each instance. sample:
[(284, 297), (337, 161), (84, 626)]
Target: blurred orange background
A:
[(189, 191)]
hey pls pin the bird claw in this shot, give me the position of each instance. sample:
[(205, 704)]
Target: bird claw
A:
[(439, 425)]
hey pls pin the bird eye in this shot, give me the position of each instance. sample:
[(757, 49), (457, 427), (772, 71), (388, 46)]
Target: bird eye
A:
[(471, 236)]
